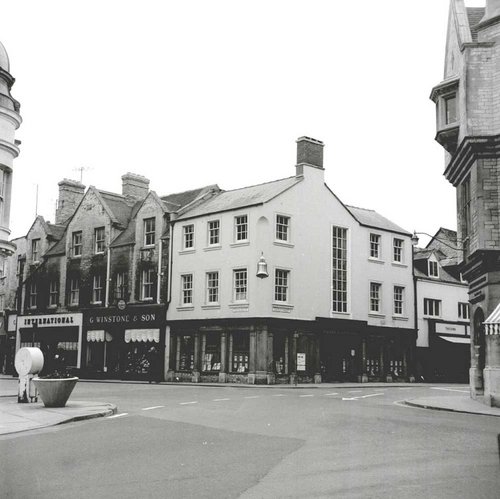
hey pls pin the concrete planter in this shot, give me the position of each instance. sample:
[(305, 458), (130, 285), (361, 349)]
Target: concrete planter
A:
[(55, 392)]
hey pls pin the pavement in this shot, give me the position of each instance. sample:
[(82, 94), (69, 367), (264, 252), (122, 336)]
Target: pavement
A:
[(16, 417)]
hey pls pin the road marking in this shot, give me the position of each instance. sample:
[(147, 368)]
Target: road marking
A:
[(150, 408), (118, 415), (186, 403), (449, 389), (355, 391), (407, 388), (279, 395), (306, 395), (362, 396), (335, 393), (252, 397), (219, 400)]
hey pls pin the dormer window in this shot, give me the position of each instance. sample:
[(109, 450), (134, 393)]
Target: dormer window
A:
[(149, 231), (433, 268), (35, 250), (99, 236), (76, 243)]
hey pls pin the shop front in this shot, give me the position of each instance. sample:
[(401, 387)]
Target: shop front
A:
[(126, 343), (59, 334)]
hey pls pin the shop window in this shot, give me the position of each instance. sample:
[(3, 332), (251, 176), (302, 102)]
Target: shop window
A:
[(280, 353), (185, 345), (149, 231), (240, 352), (99, 236), (211, 353), (76, 244)]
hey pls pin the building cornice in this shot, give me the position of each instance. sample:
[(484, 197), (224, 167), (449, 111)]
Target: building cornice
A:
[(11, 148), (12, 116)]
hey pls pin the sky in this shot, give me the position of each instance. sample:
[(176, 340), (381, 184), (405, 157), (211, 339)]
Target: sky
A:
[(196, 92)]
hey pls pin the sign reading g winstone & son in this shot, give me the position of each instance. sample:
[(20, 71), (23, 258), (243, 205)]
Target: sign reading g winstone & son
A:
[(131, 316)]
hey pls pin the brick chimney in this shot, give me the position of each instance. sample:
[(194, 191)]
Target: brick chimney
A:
[(309, 154), (70, 194), (135, 186)]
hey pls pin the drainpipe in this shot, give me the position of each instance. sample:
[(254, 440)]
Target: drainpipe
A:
[(108, 271), (170, 263), (158, 283)]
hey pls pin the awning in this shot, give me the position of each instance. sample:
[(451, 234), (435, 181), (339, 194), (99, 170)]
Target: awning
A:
[(492, 323), (98, 335), (142, 335), (455, 339)]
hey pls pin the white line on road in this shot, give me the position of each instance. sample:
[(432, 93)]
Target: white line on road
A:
[(334, 393), (449, 389), (118, 415), (306, 395), (186, 403), (150, 408), (279, 395), (252, 397), (355, 391), (219, 400), (362, 396)]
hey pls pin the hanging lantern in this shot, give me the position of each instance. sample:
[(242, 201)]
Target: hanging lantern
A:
[(262, 268)]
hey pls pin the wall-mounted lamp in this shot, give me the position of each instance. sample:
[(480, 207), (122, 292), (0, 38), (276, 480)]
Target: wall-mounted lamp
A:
[(262, 267), (414, 240)]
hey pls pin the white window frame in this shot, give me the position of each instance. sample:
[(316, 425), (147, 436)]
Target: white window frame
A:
[(399, 300), (212, 281), (99, 240), (340, 269), (375, 246), (398, 252), (74, 291), (35, 250), (149, 231), (187, 289), (53, 293), (375, 297), (283, 228), (240, 285), (213, 232), (97, 288), (431, 266), (188, 237), (281, 285), (33, 295), (430, 305), (463, 307), (241, 228), (76, 246), (120, 286), (147, 284)]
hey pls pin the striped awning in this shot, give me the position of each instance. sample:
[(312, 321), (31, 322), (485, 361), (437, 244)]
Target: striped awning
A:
[(98, 335), (492, 323), (142, 335), (456, 339)]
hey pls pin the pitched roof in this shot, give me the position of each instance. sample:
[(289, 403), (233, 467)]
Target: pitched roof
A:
[(474, 16), (55, 230), (179, 199), (118, 205), (371, 218), (240, 198)]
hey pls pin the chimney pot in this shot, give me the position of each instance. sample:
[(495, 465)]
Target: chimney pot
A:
[(135, 186)]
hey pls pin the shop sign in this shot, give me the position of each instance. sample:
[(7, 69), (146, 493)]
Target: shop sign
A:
[(130, 317), (301, 362), (57, 320), (446, 328)]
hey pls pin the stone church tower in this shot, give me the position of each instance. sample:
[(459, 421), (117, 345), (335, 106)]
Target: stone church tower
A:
[(468, 127), (10, 120)]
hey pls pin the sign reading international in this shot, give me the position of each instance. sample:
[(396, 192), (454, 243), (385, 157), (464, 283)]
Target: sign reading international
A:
[(53, 320)]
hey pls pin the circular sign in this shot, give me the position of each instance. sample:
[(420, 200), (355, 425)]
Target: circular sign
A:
[(121, 304), (29, 360)]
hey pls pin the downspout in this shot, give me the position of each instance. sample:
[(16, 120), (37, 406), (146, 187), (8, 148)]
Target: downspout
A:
[(170, 263), (158, 283), (108, 270)]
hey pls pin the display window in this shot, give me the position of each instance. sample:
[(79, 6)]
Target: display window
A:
[(240, 343), (185, 347), (280, 353), (211, 356)]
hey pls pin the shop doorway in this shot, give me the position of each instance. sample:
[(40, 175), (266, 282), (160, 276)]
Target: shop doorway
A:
[(339, 356)]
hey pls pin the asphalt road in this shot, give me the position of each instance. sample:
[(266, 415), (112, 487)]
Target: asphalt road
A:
[(223, 442)]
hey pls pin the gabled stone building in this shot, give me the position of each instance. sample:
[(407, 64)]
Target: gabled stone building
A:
[(468, 127)]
